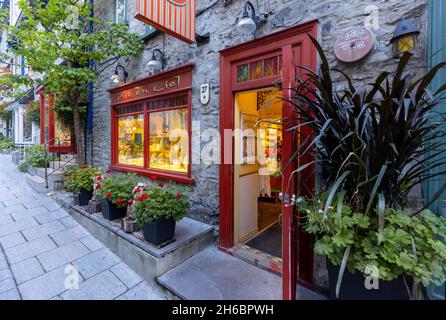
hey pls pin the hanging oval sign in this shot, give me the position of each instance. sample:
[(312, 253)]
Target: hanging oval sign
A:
[(179, 2), (354, 45)]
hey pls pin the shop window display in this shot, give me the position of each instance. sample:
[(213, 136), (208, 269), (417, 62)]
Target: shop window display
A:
[(169, 141), (131, 140)]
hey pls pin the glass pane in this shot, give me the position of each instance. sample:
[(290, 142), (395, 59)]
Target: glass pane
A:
[(270, 67), (169, 140), (121, 11), (131, 140), (255, 70), (61, 134), (242, 73)]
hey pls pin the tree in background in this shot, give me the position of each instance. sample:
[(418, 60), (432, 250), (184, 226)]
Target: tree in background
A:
[(66, 49)]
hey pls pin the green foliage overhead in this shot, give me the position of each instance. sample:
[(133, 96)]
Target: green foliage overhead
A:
[(161, 202), (4, 114), (55, 40), (81, 178), (116, 188), (32, 113)]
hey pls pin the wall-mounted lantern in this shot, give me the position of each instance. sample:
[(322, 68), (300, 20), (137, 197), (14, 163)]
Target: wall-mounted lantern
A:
[(116, 78), (157, 63), (405, 38), (248, 24)]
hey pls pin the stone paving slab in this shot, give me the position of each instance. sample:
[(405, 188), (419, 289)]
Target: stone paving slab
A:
[(12, 240), (104, 286), (42, 230), (62, 255), (69, 235), (16, 226), (43, 249), (27, 270), (96, 262), (142, 291), (46, 286), (29, 249)]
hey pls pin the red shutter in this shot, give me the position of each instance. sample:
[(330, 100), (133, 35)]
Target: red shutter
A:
[(175, 17)]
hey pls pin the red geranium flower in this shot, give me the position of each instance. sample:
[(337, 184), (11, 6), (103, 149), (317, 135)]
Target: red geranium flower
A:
[(109, 171), (102, 191), (108, 195), (138, 190), (179, 196), (98, 186), (119, 201), (99, 178), (129, 203), (154, 178), (161, 185)]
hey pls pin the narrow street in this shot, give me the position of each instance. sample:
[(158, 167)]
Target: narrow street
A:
[(46, 254)]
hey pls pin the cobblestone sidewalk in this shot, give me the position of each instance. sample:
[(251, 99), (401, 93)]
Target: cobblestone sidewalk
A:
[(43, 251)]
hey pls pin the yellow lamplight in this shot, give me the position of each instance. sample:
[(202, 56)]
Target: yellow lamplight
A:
[(404, 38)]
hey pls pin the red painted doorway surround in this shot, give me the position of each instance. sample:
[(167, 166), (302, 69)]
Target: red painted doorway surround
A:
[(294, 48)]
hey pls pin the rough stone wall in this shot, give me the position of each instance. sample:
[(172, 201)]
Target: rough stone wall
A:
[(335, 16)]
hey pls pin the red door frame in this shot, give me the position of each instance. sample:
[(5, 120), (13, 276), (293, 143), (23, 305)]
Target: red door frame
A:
[(52, 146), (287, 41)]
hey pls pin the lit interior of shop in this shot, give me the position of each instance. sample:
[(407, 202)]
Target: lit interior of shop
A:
[(257, 179)]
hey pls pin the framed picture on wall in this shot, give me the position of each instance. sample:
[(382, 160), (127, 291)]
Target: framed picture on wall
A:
[(248, 135)]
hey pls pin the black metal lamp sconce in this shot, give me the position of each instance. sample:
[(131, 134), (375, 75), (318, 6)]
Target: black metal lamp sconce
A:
[(158, 61), (116, 78), (248, 23)]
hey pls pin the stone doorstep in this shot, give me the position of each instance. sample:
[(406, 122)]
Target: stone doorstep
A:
[(216, 275), (144, 258)]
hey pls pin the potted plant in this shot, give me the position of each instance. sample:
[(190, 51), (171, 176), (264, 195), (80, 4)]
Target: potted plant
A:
[(115, 190), (158, 209), (80, 182), (373, 146)]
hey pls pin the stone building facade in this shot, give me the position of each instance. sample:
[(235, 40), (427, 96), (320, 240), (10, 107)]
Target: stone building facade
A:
[(219, 18)]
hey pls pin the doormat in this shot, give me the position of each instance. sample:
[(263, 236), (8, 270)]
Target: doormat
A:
[(269, 241)]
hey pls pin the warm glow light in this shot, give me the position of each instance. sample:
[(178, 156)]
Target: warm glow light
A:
[(405, 44)]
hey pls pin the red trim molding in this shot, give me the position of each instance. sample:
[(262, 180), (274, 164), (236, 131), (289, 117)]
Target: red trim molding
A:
[(171, 83), (296, 49)]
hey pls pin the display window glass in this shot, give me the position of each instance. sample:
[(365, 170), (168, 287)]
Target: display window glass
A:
[(131, 140), (169, 140)]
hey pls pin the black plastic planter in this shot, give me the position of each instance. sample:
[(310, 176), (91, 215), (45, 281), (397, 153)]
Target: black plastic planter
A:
[(110, 211), (83, 198), (353, 287), (159, 231)]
